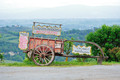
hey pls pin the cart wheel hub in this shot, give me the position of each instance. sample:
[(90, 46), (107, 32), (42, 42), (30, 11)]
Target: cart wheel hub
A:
[(42, 55)]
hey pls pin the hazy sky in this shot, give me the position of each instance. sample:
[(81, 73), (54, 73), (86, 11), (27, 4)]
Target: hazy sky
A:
[(20, 8)]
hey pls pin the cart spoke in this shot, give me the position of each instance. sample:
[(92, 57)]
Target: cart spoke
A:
[(35, 53), (38, 51), (45, 60), (46, 50), (40, 60), (43, 48), (49, 57), (49, 54), (39, 48), (36, 59)]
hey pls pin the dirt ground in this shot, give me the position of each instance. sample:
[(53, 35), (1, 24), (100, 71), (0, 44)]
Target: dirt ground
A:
[(97, 72)]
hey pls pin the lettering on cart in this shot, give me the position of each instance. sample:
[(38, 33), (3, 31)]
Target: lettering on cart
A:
[(23, 40), (47, 30), (81, 49), (57, 45)]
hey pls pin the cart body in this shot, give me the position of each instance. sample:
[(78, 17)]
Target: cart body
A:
[(56, 45)]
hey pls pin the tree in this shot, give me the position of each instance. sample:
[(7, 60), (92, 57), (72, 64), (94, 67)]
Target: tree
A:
[(107, 37), (1, 56), (68, 47)]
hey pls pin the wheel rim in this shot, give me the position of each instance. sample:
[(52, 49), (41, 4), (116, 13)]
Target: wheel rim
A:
[(43, 55)]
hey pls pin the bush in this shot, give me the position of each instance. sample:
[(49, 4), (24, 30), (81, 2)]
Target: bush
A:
[(107, 37), (28, 61), (118, 55), (115, 54)]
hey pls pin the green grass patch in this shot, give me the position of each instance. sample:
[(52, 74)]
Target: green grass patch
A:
[(73, 63), (17, 64), (110, 63), (57, 64), (54, 64)]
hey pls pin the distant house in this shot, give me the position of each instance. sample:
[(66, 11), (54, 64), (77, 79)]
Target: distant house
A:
[(11, 53)]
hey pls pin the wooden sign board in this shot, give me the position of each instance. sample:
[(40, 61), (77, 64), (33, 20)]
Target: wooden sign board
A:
[(81, 49), (47, 30), (23, 40), (57, 45)]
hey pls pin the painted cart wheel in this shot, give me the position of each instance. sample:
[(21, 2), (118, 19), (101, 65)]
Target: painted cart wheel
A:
[(43, 55)]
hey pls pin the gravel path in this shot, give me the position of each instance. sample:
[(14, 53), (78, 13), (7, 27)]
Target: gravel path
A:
[(97, 72)]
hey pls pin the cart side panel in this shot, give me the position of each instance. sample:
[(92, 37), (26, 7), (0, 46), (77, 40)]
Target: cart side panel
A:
[(45, 41), (34, 42), (57, 50), (31, 43), (52, 44), (58, 46), (37, 42)]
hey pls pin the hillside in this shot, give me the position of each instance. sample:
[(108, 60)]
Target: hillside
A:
[(10, 39)]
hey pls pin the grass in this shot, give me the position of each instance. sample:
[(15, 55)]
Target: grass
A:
[(17, 64), (110, 63), (73, 63), (57, 64)]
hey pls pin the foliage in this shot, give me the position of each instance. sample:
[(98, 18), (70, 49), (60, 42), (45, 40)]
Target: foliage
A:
[(107, 37), (28, 61), (80, 59), (114, 53), (1, 56), (68, 47), (118, 55)]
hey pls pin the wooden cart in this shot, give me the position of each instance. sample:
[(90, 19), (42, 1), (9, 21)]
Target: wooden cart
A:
[(43, 51)]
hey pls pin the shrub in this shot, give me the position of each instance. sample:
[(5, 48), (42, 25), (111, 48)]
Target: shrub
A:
[(118, 55)]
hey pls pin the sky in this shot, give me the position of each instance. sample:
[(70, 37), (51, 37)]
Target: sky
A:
[(18, 9)]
